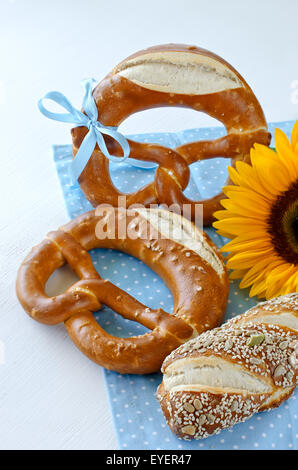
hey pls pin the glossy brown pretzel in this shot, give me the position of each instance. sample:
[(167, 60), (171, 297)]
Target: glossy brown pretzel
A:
[(181, 76), (195, 274)]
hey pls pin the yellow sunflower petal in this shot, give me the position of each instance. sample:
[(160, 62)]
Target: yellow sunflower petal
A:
[(252, 255), (277, 278), (258, 288), (238, 225), (259, 279), (234, 175), (294, 136), (286, 154), (262, 295), (220, 215), (249, 178), (291, 285), (247, 245), (237, 274), (247, 259), (259, 276), (281, 138), (234, 192), (264, 152), (253, 235), (272, 173), (224, 234), (258, 271), (244, 206)]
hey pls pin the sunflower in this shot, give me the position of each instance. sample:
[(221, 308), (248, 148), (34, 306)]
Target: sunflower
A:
[(261, 219)]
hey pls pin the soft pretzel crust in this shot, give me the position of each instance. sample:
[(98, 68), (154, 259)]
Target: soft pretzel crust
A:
[(172, 75), (225, 375), (192, 268)]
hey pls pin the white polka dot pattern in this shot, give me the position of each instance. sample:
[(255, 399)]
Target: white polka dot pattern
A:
[(139, 423)]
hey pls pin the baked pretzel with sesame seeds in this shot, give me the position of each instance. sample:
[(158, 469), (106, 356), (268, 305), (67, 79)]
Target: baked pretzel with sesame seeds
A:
[(225, 375), (178, 76), (190, 265)]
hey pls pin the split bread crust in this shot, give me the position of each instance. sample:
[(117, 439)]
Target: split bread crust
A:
[(227, 374)]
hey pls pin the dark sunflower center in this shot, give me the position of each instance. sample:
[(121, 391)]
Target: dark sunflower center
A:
[(283, 224), (295, 228)]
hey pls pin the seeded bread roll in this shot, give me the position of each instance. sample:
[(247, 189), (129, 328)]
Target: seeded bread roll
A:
[(227, 374)]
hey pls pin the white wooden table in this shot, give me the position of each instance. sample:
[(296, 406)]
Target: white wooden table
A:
[(51, 396)]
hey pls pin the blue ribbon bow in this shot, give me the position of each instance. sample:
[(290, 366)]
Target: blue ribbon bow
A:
[(96, 129)]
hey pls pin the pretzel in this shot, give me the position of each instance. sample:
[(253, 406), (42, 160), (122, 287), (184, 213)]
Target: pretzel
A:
[(191, 266), (181, 76), (226, 375)]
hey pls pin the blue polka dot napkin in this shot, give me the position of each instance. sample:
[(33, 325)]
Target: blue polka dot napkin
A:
[(139, 423)]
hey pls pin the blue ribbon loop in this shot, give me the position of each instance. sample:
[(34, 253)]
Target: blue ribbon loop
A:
[(96, 130)]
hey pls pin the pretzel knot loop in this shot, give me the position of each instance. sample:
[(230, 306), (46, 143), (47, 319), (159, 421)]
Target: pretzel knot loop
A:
[(180, 76), (197, 280)]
